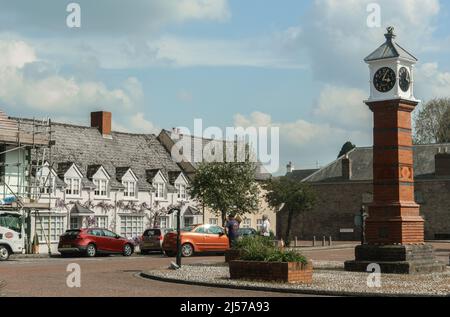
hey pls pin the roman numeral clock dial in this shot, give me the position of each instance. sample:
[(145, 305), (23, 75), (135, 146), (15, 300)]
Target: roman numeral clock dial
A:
[(384, 79), (405, 79)]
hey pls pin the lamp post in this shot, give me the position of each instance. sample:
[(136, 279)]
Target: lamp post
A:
[(178, 211)]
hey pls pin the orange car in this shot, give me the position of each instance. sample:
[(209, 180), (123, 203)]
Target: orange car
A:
[(197, 239)]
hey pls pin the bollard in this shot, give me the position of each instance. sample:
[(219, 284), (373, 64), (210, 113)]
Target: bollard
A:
[(296, 242), (330, 241), (314, 241), (323, 241)]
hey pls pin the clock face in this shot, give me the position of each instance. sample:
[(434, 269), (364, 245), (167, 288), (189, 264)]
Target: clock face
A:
[(404, 79), (384, 79)]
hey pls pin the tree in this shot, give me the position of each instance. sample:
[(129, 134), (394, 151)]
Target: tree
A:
[(432, 122), (289, 195), (347, 147), (226, 188)]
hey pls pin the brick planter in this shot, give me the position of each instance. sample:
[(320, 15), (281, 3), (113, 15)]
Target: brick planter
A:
[(232, 255), (272, 271)]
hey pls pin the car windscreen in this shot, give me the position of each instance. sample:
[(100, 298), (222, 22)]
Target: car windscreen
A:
[(188, 229), (152, 233), (71, 233), (12, 222)]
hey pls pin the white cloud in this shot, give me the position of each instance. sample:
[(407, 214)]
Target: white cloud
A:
[(431, 82), (24, 85), (338, 38), (138, 123), (344, 107), (307, 142)]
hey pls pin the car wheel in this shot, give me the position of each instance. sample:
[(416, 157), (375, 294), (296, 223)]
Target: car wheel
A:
[(4, 253), (91, 251), (187, 250), (127, 250)]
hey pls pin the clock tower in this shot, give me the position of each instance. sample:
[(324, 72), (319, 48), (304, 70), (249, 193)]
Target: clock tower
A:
[(394, 229)]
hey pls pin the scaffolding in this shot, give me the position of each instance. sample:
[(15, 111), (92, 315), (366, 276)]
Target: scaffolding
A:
[(25, 149)]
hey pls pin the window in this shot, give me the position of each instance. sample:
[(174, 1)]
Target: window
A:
[(130, 189), (57, 226), (160, 190), (101, 187), (73, 186), (131, 226), (75, 223), (215, 230), (101, 221), (163, 222), (181, 191), (109, 234), (46, 185), (213, 221), (259, 224), (247, 223)]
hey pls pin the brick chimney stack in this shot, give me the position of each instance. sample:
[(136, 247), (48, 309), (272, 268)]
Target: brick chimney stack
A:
[(346, 168), (102, 121), (442, 163)]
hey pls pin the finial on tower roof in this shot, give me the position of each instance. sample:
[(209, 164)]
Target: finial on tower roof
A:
[(390, 35)]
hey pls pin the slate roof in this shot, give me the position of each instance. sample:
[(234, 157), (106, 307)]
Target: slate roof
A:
[(197, 146), (390, 49), (301, 174), (86, 147), (362, 162)]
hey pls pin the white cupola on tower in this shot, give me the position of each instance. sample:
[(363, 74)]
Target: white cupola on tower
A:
[(391, 71)]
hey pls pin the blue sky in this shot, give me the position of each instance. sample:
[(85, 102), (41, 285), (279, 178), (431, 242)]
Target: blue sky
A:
[(159, 64)]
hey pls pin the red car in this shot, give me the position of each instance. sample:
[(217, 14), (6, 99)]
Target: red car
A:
[(94, 241)]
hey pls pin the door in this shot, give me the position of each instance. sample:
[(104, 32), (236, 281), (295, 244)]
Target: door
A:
[(100, 240), (216, 239), (114, 244)]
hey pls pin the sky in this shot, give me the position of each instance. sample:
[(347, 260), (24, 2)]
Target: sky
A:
[(296, 65)]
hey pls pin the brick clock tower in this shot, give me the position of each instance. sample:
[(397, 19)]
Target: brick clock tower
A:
[(394, 229)]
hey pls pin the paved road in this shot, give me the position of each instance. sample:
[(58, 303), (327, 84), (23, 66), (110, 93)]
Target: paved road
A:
[(107, 276)]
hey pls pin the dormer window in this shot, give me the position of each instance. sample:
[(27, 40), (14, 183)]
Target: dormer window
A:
[(181, 191), (129, 182), (101, 187), (160, 190), (73, 186), (47, 185), (130, 189)]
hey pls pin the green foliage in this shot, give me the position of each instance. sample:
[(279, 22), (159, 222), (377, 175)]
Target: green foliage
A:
[(346, 148), (262, 249), (227, 188), (289, 195), (432, 122)]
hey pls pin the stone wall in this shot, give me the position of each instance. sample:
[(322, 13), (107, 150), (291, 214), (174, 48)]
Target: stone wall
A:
[(338, 204)]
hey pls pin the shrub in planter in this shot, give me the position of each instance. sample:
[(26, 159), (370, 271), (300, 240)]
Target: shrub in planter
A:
[(261, 260)]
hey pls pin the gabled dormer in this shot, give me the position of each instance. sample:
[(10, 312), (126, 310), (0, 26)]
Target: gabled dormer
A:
[(72, 176), (100, 178), (159, 181), (180, 183), (129, 180), (46, 179)]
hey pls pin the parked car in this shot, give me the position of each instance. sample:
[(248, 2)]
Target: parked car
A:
[(247, 232), (93, 241), (152, 240), (197, 239)]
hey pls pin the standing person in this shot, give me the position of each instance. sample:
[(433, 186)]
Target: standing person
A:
[(232, 228), (265, 229)]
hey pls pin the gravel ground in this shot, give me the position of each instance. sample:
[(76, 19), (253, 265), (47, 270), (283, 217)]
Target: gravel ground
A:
[(329, 277)]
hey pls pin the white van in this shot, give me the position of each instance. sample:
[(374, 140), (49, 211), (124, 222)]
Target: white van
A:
[(11, 234)]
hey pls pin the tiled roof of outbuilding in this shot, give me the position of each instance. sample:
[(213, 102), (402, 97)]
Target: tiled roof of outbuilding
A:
[(362, 162)]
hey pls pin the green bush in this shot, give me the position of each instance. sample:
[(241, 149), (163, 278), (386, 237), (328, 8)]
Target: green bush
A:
[(262, 249)]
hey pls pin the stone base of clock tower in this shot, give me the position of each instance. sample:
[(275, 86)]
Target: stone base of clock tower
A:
[(396, 259)]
